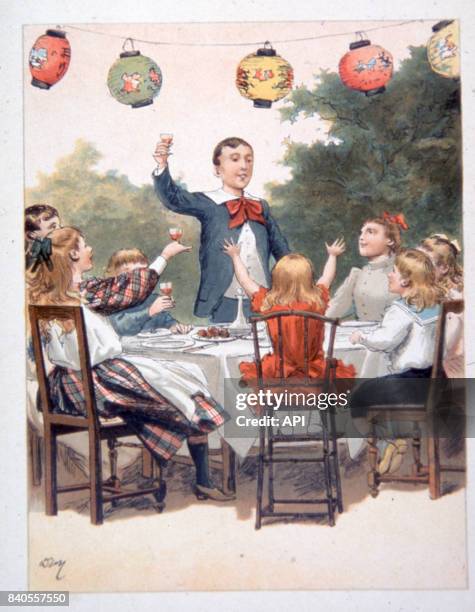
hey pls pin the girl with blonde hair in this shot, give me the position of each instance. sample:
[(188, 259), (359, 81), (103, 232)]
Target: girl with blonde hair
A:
[(407, 335), (444, 253), (163, 401), (293, 287)]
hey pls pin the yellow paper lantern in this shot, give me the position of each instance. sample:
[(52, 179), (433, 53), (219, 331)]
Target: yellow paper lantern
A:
[(264, 77), (443, 49)]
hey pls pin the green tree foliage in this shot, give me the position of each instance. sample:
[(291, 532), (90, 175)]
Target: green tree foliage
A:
[(399, 151), (113, 214)]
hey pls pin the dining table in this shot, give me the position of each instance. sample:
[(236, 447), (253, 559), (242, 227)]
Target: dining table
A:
[(219, 359)]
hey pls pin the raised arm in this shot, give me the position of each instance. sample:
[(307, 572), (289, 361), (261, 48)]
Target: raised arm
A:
[(108, 295), (334, 250), (172, 196), (242, 275)]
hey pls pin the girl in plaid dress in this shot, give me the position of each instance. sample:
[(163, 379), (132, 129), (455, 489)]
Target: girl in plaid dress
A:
[(164, 402)]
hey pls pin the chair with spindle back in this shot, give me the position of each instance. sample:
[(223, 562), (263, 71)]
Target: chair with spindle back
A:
[(322, 444), (57, 424), (427, 413)]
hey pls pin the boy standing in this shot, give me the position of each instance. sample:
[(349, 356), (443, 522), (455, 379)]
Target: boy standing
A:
[(226, 213)]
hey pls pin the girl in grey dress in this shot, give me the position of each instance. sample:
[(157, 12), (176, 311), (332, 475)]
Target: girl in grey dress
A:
[(364, 294)]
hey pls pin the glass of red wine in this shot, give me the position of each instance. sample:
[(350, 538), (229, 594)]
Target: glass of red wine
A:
[(175, 233), (166, 288)]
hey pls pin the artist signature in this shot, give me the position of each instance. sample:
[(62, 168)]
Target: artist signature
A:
[(49, 562)]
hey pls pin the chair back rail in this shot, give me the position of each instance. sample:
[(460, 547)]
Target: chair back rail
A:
[(75, 314), (330, 363), (449, 306)]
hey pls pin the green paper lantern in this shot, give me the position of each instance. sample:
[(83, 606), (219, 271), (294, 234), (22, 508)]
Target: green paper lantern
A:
[(134, 79)]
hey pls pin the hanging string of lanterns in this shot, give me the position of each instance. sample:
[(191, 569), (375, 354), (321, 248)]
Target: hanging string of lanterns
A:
[(263, 77), (443, 49), (134, 79), (366, 67), (49, 59)]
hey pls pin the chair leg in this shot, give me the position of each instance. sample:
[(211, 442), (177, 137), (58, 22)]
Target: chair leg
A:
[(35, 456), (373, 479), (113, 481), (416, 450), (270, 470), (51, 473), (260, 477), (434, 466), (95, 479), (148, 464), (327, 470), (336, 462)]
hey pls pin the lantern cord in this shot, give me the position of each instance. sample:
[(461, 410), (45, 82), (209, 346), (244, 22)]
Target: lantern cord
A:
[(128, 40), (241, 44)]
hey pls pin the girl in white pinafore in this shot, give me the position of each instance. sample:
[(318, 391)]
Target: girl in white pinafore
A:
[(164, 402)]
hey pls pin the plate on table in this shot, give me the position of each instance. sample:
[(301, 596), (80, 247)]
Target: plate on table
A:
[(157, 333), (213, 339), (261, 336), (169, 344), (358, 323)]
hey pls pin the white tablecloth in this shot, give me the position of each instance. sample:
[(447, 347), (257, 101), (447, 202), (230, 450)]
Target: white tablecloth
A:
[(220, 361)]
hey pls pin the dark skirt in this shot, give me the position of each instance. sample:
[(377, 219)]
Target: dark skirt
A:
[(409, 387)]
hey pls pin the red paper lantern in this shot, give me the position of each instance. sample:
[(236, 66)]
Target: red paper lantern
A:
[(49, 59), (366, 67)]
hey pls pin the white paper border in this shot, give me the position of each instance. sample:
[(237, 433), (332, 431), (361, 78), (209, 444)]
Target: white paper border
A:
[(13, 574)]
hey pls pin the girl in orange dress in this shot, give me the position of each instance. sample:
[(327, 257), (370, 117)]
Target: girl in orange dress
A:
[(293, 287)]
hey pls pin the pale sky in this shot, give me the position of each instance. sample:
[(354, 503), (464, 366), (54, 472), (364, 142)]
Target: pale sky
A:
[(198, 103)]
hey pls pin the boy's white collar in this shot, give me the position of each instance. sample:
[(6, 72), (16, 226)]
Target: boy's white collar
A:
[(219, 196)]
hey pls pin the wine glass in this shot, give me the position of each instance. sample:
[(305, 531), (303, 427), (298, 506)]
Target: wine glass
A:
[(167, 138), (175, 233), (166, 288)]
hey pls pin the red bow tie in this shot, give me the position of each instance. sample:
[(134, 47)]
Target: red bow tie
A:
[(243, 210)]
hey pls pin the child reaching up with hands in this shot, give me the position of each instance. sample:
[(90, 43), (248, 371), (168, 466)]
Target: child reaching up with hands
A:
[(293, 287)]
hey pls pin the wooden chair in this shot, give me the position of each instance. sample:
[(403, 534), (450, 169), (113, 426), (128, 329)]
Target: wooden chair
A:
[(56, 424), (425, 413), (322, 446)]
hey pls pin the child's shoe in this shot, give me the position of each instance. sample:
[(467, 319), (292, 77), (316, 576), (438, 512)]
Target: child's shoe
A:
[(392, 456)]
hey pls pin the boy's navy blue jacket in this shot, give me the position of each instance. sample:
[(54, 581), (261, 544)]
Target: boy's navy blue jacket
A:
[(216, 267), (136, 319)]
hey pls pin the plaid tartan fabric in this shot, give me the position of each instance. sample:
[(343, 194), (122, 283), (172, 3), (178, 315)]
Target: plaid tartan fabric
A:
[(108, 295), (121, 390)]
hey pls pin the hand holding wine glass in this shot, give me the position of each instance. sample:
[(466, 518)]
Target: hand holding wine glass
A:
[(166, 288), (162, 150), (174, 248), (163, 302)]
